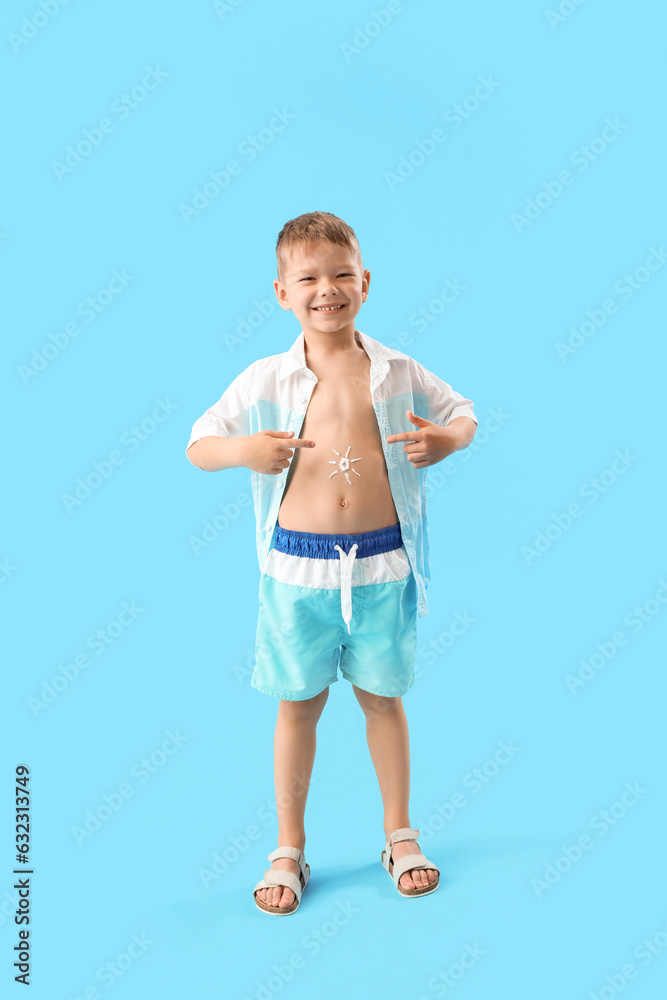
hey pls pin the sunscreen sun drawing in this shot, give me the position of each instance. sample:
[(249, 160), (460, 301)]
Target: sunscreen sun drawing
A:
[(344, 463)]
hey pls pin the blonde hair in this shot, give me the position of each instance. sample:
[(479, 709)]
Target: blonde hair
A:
[(312, 227)]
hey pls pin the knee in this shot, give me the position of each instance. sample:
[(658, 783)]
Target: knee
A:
[(307, 710), (373, 705)]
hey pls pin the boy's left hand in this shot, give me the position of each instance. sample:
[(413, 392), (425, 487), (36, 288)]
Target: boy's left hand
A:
[(428, 443)]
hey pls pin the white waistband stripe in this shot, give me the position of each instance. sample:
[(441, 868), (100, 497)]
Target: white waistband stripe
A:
[(304, 571), (345, 572)]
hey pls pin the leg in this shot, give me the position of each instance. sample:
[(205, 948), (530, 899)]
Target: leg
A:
[(294, 753), (389, 745)]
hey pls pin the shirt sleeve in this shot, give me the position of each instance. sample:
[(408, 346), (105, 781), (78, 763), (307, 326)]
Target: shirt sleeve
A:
[(226, 418), (445, 403)]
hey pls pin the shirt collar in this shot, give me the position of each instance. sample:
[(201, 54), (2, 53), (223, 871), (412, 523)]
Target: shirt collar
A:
[(295, 358)]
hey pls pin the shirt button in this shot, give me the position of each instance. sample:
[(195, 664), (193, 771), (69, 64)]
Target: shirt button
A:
[(279, 483)]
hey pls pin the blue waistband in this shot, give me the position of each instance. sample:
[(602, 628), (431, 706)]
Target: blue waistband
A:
[(320, 546)]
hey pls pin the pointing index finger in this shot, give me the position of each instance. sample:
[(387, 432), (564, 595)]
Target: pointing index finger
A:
[(299, 443), (407, 436)]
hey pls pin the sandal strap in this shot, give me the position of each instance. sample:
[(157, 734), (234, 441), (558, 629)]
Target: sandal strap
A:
[(274, 876), (403, 833), (287, 852), (408, 862)]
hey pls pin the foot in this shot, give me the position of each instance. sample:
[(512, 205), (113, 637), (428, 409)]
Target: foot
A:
[(415, 878), (280, 895)]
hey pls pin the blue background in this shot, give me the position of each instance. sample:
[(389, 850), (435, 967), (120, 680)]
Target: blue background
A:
[(182, 664)]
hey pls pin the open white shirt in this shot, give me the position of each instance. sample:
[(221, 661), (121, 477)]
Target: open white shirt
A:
[(273, 394)]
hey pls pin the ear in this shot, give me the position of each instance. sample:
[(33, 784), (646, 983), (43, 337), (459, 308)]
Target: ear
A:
[(418, 421)]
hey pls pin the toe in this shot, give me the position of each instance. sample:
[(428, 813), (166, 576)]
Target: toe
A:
[(287, 898), (278, 896), (418, 878), (406, 881)]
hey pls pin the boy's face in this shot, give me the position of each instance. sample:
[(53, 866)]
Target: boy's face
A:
[(322, 274)]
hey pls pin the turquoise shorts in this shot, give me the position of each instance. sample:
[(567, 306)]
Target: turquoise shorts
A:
[(336, 600)]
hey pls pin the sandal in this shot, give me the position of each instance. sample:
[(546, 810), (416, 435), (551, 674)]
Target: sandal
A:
[(398, 868), (276, 876)]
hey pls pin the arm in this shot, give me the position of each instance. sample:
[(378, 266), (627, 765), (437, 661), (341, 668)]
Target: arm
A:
[(218, 436), (461, 432), (446, 406), (221, 438), (430, 442), (451, 425), (213, 453), (452, 412), (266, 451)]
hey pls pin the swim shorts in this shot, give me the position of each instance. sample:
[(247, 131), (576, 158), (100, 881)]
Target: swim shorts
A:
[(336, 600)]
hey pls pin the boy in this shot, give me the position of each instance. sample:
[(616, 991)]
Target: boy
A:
[(338, 433)]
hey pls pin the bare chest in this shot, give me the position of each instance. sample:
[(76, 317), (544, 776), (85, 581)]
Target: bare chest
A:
[(341, 484)]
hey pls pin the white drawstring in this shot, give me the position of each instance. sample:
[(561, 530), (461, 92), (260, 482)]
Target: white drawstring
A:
[(346, 564)]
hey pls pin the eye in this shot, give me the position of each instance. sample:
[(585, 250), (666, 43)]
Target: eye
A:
[(342, 274)]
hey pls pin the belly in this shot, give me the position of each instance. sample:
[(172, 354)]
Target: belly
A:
[(341, 485)]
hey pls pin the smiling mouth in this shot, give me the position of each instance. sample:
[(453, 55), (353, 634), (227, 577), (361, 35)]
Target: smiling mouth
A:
[(332, 308)]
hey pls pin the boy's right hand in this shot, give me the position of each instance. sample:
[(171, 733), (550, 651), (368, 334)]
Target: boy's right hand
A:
[(270, 451)]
